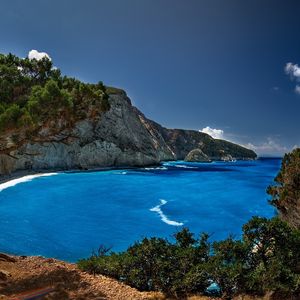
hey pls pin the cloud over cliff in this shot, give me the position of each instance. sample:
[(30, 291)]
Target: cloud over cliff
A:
[(34, 54), (213, 132)]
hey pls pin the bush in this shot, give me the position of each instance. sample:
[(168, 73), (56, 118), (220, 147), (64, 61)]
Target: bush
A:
[(157, 264), (266, 259), (10, 116)]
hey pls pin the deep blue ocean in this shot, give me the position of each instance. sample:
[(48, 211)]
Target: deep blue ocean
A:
[(68, 215)]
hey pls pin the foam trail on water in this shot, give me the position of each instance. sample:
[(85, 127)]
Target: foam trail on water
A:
[(26, 178), (163, 217), (185, 167), (156, 168)]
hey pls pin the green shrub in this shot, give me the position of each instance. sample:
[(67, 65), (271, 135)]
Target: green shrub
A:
[(266, 259), (157, 264), (32, 92)]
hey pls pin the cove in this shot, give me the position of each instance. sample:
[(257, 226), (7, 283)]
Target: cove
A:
[(68, 215)]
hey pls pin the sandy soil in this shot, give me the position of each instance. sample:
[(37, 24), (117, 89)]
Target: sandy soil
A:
[(22, 274)]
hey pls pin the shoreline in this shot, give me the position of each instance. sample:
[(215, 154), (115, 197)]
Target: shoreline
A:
[(22, 173)]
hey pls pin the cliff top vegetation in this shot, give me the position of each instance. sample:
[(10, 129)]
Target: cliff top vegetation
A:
[(33, 92)]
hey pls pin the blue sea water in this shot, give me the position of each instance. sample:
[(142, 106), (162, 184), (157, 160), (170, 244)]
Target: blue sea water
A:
[(68, 215)]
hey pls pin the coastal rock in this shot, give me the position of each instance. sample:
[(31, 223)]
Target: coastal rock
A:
[(121, 136), (197, 155), (4, 275), (7, 258), (227, 157), (7, 164)]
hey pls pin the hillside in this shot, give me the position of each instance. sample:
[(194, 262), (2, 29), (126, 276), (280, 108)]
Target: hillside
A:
[(286, 190), (49, 121), (26, 274)]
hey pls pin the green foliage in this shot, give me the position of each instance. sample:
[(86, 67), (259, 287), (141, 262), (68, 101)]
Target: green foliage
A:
[(228, 266), (287, 182), (33, 92), (266, 259), (157, 264), (274, 258), (10, 116)]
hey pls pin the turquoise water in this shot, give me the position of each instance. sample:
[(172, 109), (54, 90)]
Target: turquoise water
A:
[(68, 215)]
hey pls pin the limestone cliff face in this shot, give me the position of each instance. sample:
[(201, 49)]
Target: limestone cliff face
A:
[(122, 136), (182, 142)]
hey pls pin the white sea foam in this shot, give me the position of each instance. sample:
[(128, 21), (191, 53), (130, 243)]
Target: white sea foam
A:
[(163, 217), (185, 167), (26, 178), (157, 168)]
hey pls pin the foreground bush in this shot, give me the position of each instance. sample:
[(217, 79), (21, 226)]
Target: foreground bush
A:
[(265, 259), (156, 264)]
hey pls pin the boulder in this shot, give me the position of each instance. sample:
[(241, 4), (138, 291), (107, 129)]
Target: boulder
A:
[(197, 155)]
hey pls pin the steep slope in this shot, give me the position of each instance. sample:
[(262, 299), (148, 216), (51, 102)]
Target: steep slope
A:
[(53, 122), (115, 138), (181, 142), (26, 275), (120, 136)]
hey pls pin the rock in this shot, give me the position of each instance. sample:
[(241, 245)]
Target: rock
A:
[(197, 155), (7, 164), (227, 157), (4, 275), (121, 136), (5, 257), (181, 142)]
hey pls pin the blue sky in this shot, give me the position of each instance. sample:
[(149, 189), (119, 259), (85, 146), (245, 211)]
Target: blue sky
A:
[(186, 64)]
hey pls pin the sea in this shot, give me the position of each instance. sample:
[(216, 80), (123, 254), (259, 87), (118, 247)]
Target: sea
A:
[(69, 215)]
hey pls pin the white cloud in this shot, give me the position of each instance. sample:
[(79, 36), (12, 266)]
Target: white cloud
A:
[(297, 89), (34, 54), (270, 147), (215, 133), (293, 70)]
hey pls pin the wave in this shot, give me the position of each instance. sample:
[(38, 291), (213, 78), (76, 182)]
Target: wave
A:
[(163, 217), (156, 168), (185, 167), (26, 178)]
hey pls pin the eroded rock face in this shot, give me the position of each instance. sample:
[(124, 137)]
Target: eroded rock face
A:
[(7, 164), (197, 155), (122, 136)]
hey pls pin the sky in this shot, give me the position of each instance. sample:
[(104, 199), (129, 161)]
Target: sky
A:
[(227, 68)]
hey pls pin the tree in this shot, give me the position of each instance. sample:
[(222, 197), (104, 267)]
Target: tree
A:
[(285, 192)]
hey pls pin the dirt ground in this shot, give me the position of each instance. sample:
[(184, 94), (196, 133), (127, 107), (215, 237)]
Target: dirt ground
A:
[(25, 274)]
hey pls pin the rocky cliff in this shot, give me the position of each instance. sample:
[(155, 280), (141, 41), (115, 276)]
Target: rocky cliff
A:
[(121, 136)]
